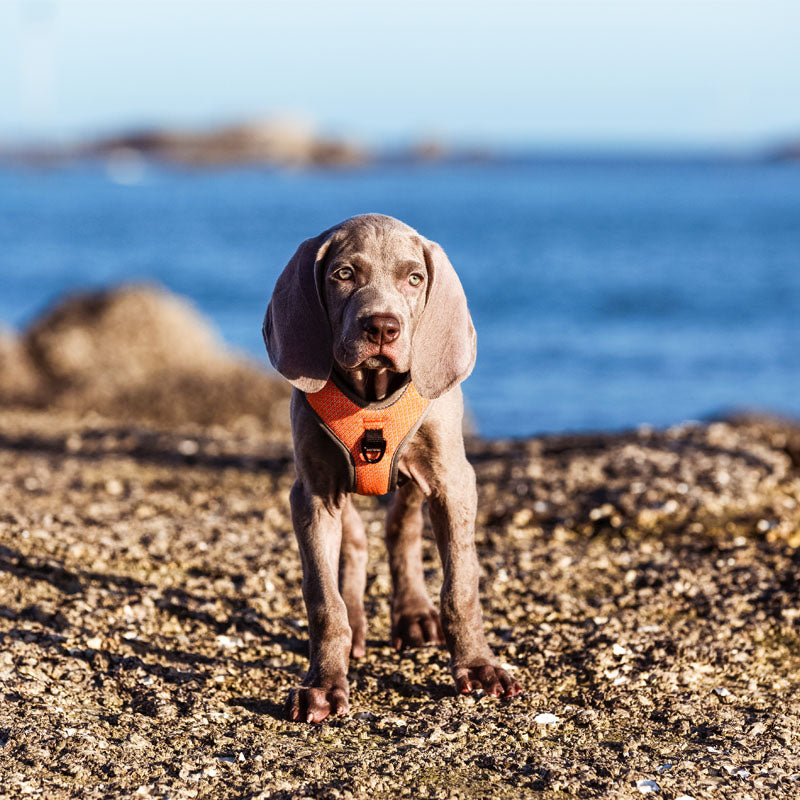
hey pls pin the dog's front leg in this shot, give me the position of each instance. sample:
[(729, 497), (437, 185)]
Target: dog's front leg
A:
[(318, 527), (453, 504), (415, 622)]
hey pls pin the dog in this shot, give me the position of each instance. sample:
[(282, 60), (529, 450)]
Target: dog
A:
[(370, 324)]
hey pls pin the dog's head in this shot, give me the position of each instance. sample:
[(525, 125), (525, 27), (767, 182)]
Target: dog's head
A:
[(370, 294)]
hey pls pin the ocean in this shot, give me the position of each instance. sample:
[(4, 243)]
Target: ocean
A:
[(606, 294)]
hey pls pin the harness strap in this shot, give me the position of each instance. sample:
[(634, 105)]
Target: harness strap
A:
[(372, 434)]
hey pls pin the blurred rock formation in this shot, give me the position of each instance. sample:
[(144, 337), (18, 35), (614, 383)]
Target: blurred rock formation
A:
[(282, 143), (20, 381), (788, 151), (136, 353), (268, 142)]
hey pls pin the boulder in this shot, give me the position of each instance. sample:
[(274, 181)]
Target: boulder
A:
[(20, 381), (121, 337), (139, 353)]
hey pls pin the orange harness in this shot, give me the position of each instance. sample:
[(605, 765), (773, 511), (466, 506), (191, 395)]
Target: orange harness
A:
[(371, 434)]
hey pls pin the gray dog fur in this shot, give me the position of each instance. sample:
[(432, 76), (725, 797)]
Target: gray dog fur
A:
[(370, 266)]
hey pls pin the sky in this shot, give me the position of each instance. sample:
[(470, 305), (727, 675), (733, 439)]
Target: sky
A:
[(571, 74)]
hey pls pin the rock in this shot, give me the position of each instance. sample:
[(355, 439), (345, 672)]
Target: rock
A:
[(787, 152), (141, 353), (275, 141), (121, 337), (20, 381)]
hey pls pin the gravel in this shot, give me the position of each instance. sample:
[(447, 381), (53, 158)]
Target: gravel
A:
[(643, 587)]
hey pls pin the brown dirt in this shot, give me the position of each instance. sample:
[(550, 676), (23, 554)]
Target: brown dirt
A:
[(643, 588)]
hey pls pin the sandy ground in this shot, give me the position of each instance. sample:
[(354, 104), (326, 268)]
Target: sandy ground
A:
[(642, 587)]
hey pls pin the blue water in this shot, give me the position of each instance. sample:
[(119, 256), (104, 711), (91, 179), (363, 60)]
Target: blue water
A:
[(605, 295)]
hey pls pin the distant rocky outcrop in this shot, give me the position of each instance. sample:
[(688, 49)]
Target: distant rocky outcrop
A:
[(270, 142), (136, 353), (788, 151)]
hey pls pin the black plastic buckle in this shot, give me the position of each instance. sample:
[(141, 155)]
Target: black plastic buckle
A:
[(373, 445)]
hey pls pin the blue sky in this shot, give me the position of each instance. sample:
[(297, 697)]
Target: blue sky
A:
[(565, 74)]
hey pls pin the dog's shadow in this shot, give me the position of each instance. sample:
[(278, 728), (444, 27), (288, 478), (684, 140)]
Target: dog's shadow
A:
[(260, 706)]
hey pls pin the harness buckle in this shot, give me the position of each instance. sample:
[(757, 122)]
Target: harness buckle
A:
[(373, 445)]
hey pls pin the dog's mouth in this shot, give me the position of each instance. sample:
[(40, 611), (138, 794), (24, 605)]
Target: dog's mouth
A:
[(378, 362), (375, 378), (374, 371)]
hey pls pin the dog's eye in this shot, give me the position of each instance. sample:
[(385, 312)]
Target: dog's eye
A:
[(415, 279), (344, 274)]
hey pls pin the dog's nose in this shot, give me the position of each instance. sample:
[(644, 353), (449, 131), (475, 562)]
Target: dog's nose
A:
[(381, 328)]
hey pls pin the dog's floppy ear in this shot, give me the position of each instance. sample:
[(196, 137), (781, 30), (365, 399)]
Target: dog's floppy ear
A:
[(296, 328), (444, 346)]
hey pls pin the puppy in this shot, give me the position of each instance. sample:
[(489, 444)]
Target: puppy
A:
[(370, 324)]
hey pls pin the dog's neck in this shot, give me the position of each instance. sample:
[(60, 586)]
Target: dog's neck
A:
[(373, 384)]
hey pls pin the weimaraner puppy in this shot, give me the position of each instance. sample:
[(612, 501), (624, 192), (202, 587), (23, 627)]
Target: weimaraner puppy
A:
[(367, 310)]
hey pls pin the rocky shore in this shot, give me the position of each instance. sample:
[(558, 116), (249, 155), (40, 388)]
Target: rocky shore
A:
[(269, 142), (642, 586)]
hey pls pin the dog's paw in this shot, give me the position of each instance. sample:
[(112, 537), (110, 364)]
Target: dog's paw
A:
[(358, 647), (416, 629), (315, 703), (493, 680)]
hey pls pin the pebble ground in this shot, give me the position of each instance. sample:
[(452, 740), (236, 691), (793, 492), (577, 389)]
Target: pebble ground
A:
[(643, 588)]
